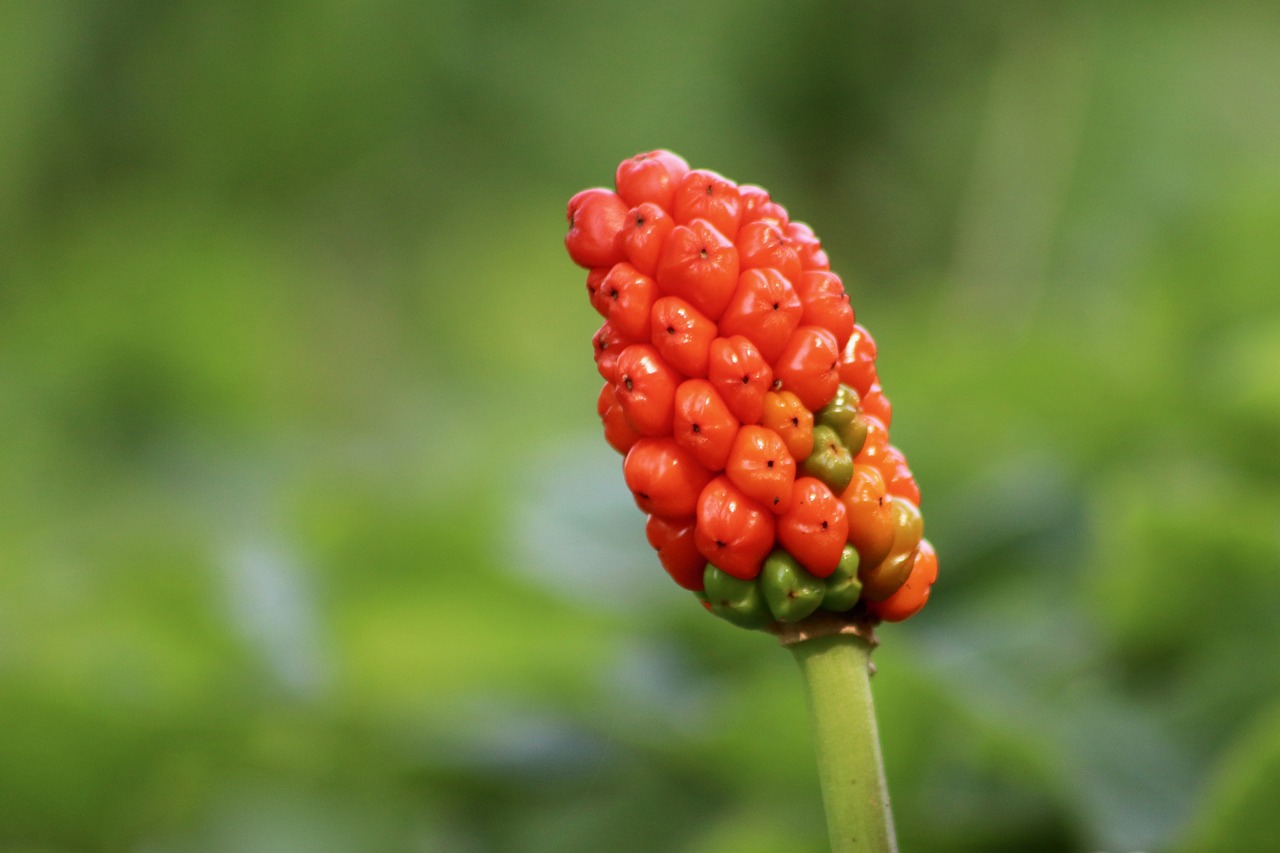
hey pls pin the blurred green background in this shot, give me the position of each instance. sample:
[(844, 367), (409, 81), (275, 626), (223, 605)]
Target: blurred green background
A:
[(308, 538)]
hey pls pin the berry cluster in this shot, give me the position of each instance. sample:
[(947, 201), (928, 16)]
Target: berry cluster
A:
[(745, 399)]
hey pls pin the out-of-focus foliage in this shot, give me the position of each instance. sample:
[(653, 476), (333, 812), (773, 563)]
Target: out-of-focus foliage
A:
[(308, 539)]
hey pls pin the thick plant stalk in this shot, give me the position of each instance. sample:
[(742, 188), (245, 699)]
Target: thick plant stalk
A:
[(836, 669)]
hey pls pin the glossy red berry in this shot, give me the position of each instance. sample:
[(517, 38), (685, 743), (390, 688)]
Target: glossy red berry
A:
[(877, 442), (876, 404), (594, 277), (678, 553), (703, 424), (643, 235), (762, 245), (700, 265), (809, 366), (808, 247), (646, 389), (617, 429), (595, 218), (899, 481), (609, 344), (682, 335), (763, 309), (815, 527), (734, 532), (664, 478), (740, 374), (651, 177), (703, 194), (758, 206), (858, 361), (825, 304), (629, 296), (761, 466)]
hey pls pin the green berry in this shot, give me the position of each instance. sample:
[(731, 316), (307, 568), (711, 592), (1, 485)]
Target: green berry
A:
[(844, 415), (843, 589), (831, 462), (735, 600), (790, 591)]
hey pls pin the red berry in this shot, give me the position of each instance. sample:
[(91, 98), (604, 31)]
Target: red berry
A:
[(598, 301), (595, 218), (764, 309), (642, 236), (740, 375), (757, 206), (899, 481), (682, 335), (760, 465), (876, 404), (650, 177), (808, 366), (700, 265), (664, 477), (703, 424), (609, 344), (807, 246), (876, 444), (858, 361), (629, 295), (826, 304), (646, 389), (703, 194), (734, 533), (761, 245), (815, 527), (617, 430), (679, 555)]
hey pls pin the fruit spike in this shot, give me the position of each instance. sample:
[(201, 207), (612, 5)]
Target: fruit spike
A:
[(744, 398)]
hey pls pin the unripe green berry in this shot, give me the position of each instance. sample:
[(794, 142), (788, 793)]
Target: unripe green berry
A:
[(831, 462), (843, 589), (844, 415), (735, 600), (790, 591)]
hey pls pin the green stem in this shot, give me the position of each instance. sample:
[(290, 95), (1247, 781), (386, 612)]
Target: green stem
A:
[(837, 670)]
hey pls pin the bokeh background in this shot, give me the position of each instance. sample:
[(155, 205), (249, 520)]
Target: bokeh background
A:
[(308, 538)]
